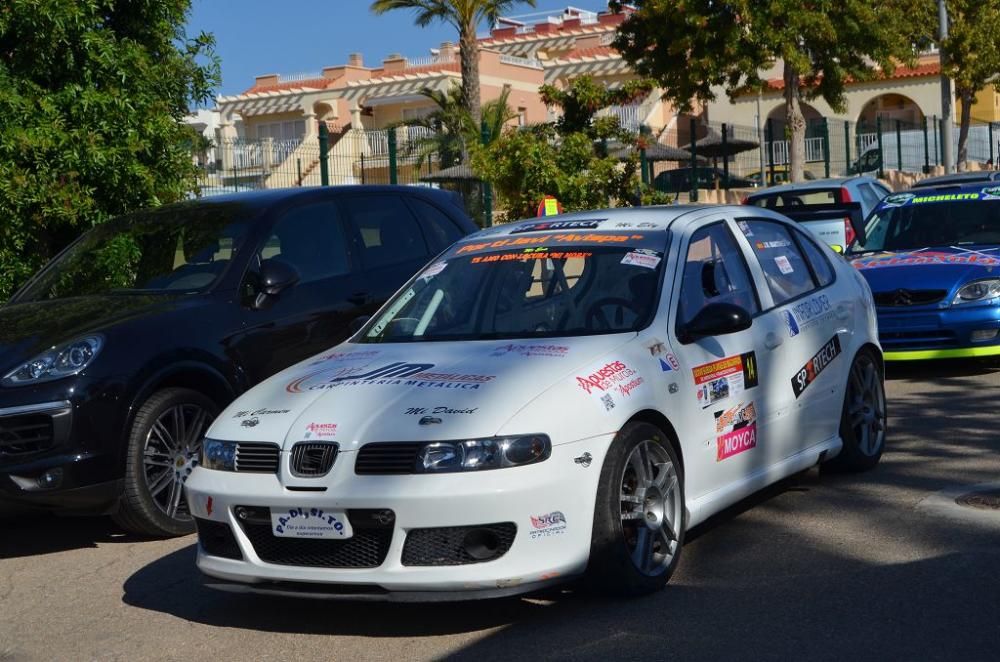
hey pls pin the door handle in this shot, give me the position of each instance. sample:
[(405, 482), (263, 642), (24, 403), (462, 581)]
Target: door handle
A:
[(772, 340), (843, 311), (359, 298)]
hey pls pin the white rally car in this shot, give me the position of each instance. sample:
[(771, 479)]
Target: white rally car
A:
[(547, 400)]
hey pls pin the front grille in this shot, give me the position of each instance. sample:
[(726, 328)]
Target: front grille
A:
[(310, 460), (387, 458), (217, 539), (257, 458), (904, 297), (447, 545), (930, 339), (367, 548), (28, 433)]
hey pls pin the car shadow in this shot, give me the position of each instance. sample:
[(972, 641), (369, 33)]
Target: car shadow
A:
[(940, 368), (36, 533)]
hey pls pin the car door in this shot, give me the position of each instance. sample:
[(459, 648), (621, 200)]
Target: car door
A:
[(722, 414), (805, 316), (389, 242), (314, 313)]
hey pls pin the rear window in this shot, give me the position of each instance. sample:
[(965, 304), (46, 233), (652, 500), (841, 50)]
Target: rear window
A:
[(796, 198)]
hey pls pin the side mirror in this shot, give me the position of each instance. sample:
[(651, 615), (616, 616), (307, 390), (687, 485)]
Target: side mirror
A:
[(355, 324), (275, 277), (715, 319)]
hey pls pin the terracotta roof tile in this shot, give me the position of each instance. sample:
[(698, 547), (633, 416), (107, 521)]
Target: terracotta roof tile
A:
[(919, 71)]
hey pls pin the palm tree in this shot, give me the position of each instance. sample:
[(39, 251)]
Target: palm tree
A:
[(465, 16)]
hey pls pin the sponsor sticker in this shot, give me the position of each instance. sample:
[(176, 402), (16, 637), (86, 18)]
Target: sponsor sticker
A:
[(529, 254), (320, 430), (413, 375), (613, 379), (734, 417), (783, 264), (250, 422), (347, 356), (807, 314), (736, 442), (898, 200), (552, 226), (790, 323), (991, 193), (529, 350), (434, 270), (980, 258), (780, 243), (545, 526), (718, 380), (817, 364), (642, 258)]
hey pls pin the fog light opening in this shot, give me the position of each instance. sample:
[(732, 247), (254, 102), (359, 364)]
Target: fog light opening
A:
[(980, 335), (51, 479), (481, 544)]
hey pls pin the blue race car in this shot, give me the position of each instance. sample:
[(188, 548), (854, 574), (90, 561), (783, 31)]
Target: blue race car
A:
[(932, 259)]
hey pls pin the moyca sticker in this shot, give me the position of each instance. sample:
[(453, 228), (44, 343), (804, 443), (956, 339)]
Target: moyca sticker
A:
[(736, 430)]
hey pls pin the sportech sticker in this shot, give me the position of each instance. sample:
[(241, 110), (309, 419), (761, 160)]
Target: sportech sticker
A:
[(817, 364), (718, 380)]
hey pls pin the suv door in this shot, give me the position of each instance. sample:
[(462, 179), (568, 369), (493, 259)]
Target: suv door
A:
[(389, 243), (721, 371), (805, 316), (311, 315)]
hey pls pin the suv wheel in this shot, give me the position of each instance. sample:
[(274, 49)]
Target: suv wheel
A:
[(164, 446)]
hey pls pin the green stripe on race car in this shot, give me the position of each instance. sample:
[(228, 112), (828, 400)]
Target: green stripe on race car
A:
[(921, 355)]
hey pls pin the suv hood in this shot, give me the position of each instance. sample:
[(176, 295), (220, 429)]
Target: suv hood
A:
[(407, 392), (27, 329), (932, 268)]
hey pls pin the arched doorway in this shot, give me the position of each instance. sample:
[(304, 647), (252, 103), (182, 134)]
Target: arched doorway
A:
[(814, 121), (890, 108)]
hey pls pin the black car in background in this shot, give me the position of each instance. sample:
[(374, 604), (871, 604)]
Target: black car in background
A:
[(680, 179), (118, 354)]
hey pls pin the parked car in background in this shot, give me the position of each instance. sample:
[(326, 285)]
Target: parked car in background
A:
[(547, 400), (116, 356), (680, 179), (932, 259), (914, 150), (983, 177), (799, 197)]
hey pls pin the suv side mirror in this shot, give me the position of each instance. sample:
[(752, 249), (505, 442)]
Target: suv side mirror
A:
[(275, 277), (715, 319), (355, 324)]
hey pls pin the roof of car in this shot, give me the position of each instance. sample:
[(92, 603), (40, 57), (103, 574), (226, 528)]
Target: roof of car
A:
[(959, 178), (810, 185), (654, 217), (265, 197), (940, 189)]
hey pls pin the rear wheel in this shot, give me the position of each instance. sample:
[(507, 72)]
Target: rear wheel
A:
[(639, 515), (164, 446), (863, 418)]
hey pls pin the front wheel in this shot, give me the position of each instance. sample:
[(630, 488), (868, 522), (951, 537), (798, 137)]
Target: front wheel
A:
[(639, 516), (164, 446), (863, 418)]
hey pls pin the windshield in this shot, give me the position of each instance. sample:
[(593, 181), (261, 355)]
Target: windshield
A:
[(796, 198), (181, 248), (909, 221), (542, 288)]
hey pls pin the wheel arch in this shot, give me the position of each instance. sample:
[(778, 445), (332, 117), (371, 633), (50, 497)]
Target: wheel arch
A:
[(876, 352), (657, 419)]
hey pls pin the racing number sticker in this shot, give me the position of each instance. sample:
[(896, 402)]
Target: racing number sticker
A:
[(811, 370)]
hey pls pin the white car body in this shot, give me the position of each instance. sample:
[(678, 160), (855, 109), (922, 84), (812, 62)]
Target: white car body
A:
[(361, 393)]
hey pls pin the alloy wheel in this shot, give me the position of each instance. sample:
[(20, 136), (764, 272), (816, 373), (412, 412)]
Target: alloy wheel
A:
[(866, 408), (172, 450), (650, 507)]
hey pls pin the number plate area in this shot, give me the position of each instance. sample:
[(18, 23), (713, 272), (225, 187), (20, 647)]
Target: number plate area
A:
[(302, 522)]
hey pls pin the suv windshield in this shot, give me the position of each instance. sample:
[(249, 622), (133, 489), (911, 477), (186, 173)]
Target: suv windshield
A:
[(180, 248), (908, 221), (548, 286)]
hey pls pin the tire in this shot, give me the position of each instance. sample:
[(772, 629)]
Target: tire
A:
[(617, 564), (863, 417), (153, 503)]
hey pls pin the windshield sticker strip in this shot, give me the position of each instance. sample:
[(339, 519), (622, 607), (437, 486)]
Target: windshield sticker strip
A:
[(523, 257), (650, 241), (549, 226)]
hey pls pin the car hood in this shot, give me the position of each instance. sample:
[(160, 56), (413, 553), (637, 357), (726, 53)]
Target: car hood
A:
[(357, 394), (27, 329), (931, 268)]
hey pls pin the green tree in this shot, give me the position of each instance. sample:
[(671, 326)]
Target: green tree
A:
[(691, 46), (973, 56), (91, 97), (465, 16)]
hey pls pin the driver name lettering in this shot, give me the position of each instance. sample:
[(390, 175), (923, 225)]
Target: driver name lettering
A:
[(569, 238)]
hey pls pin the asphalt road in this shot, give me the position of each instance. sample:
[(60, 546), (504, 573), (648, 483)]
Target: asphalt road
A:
[(820, 567)]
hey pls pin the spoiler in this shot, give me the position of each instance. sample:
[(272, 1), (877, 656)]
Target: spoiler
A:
[(849, 210)]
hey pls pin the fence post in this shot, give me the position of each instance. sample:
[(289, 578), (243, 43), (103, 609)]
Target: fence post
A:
[(826, 147), (937, 135), (847, 146), (769, 137), (643, 170), (393, 175), (694, 161), (484, 135), (362, 168), (725, 156), (899, 146), (298, 171), (881, 151), (324, 149), (992, 162), (927, 151)]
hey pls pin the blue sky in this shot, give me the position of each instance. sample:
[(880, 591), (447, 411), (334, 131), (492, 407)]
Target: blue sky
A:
[(257, 37)]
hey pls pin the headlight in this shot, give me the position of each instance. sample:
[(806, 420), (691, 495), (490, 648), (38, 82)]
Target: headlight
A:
[(483, 454), (977, 290), (218, 455), (58, 362)]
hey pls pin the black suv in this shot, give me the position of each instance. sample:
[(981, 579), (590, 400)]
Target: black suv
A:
[(118, 354)]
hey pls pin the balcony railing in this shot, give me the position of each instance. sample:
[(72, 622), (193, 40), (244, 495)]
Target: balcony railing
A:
[(430, 60), (521, 61), (628, 116), (814, 151), (378, 140)]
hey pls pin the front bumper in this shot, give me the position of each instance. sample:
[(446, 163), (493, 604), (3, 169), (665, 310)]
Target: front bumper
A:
[(536, 556), (933, 332)]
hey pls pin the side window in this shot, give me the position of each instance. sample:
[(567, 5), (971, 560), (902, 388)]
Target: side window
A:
[(869, 195), (389, 234), (714, 272), (311, 238), (784, 266), (441, 231), (819, 262)]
